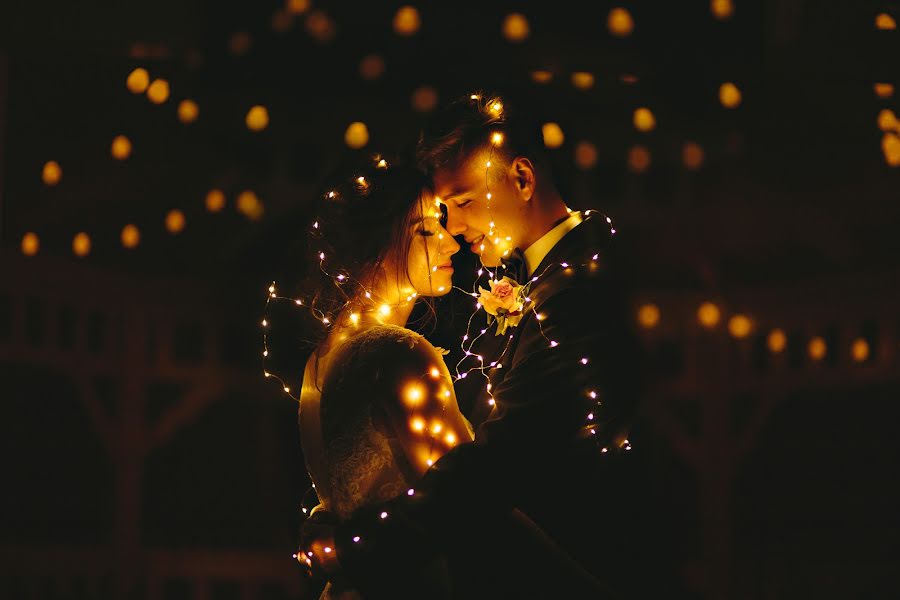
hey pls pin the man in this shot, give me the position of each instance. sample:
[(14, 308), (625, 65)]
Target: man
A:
[(551, 423)]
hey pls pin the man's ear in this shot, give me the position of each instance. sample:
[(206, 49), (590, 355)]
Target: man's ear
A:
[(524, 176)]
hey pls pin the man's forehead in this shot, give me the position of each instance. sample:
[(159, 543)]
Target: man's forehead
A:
[(458, 179)]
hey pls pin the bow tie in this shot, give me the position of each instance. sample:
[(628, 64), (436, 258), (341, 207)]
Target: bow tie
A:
[(514, 266)]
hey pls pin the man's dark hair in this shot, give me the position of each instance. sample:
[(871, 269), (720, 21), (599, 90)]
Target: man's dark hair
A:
[(467, 124)]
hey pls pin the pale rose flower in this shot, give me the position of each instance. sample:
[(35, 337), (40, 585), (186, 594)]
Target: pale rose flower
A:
[(501, 296)]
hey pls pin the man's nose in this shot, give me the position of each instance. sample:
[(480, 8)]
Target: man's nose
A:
[(455, 224)]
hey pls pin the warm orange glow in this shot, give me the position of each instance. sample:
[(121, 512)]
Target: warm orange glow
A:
[(30, 244), (158, 91), (692, 156), (297, 7), (885, 22), (413, 394), (515, 28), (424, 99), (777, 341), (81, 244), (708, 315), (407, 21), (619, 22), (817, 348), (729, 95), (585, 155), (638, 159), (131, 237), (137, 81), (890, 145), (120, 148), (553, 135), (239, 43), (859, 350), (884, 90), (583, 80), (648, 316), (249, 205), (257, 118), (320, 26), (721, 9), (644, 119), (435, 372), (437, 427), (215, 200), (188, 111), (52, 173), (541, 77), (450, 438), (887, 120), (282, 21), (739, 326), (417, 424), (371, 67), (175, 221), (357, 135)]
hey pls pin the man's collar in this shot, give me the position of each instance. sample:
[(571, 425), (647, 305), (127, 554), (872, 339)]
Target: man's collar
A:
[(536, 252)]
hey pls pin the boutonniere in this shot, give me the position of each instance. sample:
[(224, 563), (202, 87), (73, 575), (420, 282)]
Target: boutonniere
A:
[(504, 303)]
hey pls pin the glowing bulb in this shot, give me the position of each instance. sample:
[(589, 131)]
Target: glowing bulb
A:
[(885, 22), (497, 108), (729, 95), (450, 439), (81, 244), (708, 314), (515, 28), (817, 348), (407, 21), (592, 394), (356, 539), (860, 350), (121, 147), (497, 138), (287, 390), (354, 318), (620, 23), (130, 236), (326, 321), (584, 361), (357, 135), (30, 244), (590, 416), (158, 91), (175, 221), (384, 309), (215, 200), (553, 344), (553, 135), (52, 173), (137, 81), (583, 80), (264, 323), (188, 111), (648, 316), (265, 353), (884, 90), (777, 341), (739, 326), (249, 205), (417, 424), (721, 9), (414, 394), (257, 118), (435, 372), (644, 120), (410, 492)]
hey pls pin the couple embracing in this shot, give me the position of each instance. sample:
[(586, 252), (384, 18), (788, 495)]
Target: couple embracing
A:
[(418, 499)]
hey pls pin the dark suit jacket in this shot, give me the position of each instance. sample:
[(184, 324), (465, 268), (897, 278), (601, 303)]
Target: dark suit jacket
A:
[(534, 451)]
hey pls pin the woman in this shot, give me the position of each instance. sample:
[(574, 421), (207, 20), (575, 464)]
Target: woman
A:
[(377, 406)]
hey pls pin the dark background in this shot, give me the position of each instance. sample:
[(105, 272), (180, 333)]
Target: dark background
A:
[(144, 454)]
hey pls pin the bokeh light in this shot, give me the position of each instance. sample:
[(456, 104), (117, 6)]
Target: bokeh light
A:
[(120, 147), (638, 159), (320, 26), (644, 120), (817, 348), (215, 200), (553, 135), (708, 315), (884, 90), (721, 9), (175, 221), (648, 315), (188, 111), (729, 95), (692, 156), (859, 350), (583, 80), (81, 244), (516, 28), (249, 205), (541, 77), (257, 118), (31, 244), (51, 174), (407, 21), (424, 99), (740, 326), (776, 341), (619, 22), (158, 91), (137, 81), (297, 7), (371, 67), (131, 236), (585, 155), (885, 22), (357, 135)]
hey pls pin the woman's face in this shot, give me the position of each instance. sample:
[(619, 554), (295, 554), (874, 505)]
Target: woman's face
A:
[(428, 264)]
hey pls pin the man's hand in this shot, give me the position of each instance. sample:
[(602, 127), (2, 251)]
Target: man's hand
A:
[(317, 547)]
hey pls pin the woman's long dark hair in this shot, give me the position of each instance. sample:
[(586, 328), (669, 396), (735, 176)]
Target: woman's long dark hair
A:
[(362, 220)]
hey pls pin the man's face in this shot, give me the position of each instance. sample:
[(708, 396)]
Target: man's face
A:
[(491, 227)]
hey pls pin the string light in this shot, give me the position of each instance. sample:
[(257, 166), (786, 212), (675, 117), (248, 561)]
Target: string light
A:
[(257, 118), (51, 173), (137, 81)]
